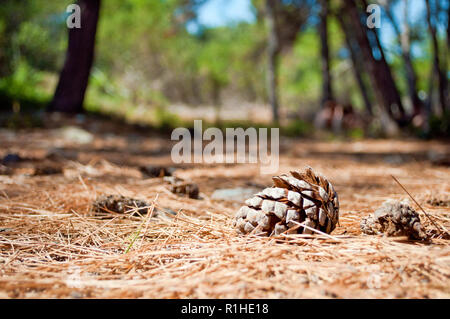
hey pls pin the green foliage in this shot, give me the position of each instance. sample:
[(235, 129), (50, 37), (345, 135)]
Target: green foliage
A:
[(24, 85), (356, 133), (34, 43), (440, 125), (297, 128), (300, 72), (32, 30), (30, 47), (226, 57), (165, 120), (21, 120)]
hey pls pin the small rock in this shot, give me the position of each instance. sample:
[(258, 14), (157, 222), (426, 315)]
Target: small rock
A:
[(75, 134), (394, 218), (439, 159), (393, 159), (11, 159)]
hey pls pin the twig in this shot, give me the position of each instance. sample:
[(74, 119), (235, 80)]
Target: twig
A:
[(150, 212), (431, 220), (316, 230)]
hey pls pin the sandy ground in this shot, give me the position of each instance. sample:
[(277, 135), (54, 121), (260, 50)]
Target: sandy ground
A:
[(53, 245)]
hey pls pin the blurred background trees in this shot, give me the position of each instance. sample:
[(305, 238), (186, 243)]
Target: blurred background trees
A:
[(294, 60)]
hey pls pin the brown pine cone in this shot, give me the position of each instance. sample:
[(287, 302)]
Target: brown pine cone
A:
[(394, 218), (300, 198), (120, 204)]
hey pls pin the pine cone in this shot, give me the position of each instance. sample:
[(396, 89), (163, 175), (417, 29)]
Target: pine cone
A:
[(120, 204), (304, 198), (394, 218)]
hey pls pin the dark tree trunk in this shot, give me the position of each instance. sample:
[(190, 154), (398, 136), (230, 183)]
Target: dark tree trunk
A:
[(357, 68), (273, 56), (383, 81), (73, 80), (327, 92), (395, 101), (442, 78)]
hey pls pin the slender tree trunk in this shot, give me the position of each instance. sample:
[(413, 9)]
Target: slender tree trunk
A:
[(404, 41), (442, 80), (445, 66), (216, 88), (379, 70), (273, 56), (448, 29), (357, 69), (73, 80), (395, 98), (327, 92), (429, 101)]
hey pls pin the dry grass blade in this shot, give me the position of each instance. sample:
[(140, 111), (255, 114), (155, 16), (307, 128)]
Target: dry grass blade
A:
[(426, 214)]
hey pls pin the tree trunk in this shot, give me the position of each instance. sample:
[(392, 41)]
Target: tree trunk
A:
[(383, 81), (395, 101), (216, 88), (448, 29), (357, 69), (327, 92), (442, 78), (404, 41), (273, 56), (447, 57), (73, 80)]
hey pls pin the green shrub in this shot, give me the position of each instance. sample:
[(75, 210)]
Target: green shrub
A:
[(23, 88), (440, 125)]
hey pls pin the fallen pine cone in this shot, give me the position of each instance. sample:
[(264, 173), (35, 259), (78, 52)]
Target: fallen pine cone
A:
[(157, 171), (394, 218), (48, 169), (120, 204), (181, 187), (300, 198), (439, 202)]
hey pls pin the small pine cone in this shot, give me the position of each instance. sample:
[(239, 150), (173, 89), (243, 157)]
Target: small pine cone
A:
[(304, 198), (120, 204), (394, 218)]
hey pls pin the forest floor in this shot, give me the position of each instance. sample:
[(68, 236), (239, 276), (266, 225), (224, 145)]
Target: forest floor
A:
[(53, 245)]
